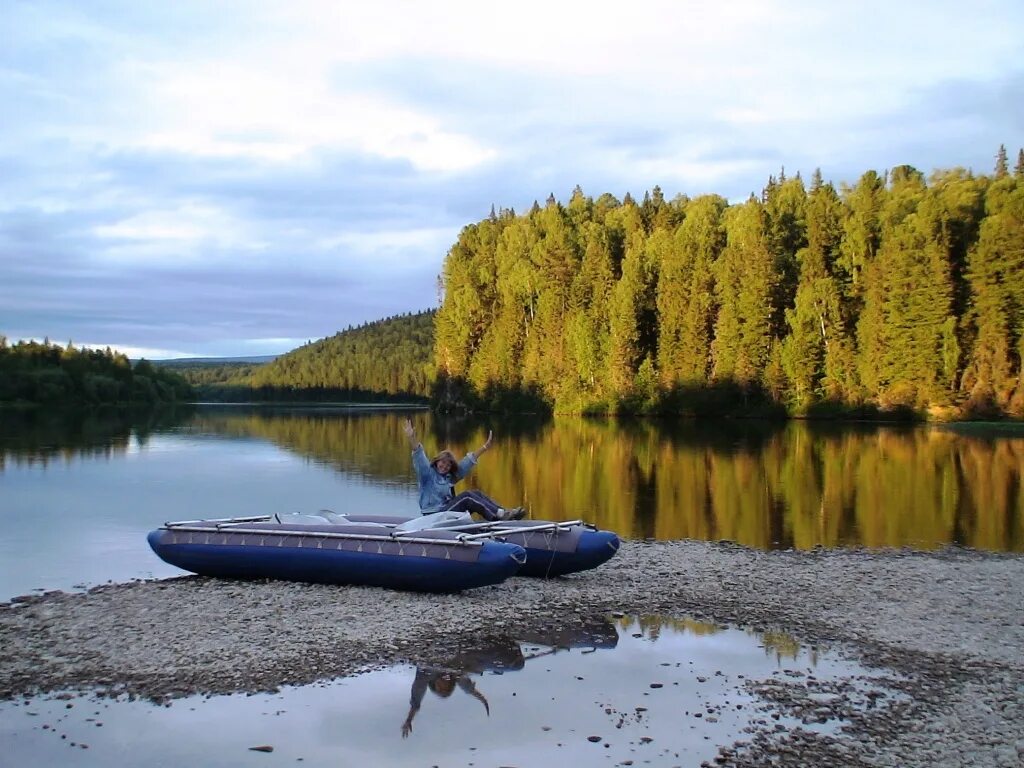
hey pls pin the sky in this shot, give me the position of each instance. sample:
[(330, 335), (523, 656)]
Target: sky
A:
[(202, 178)]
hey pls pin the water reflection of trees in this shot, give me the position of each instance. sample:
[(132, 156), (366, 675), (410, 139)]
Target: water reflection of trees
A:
[(363, 442), (762, 484), (41, 436), (651, 627)]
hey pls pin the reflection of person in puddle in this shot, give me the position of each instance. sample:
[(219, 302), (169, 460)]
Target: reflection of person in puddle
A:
[(441, 682)]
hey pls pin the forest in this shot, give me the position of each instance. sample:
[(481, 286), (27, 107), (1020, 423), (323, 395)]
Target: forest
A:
[(44, 373), (385, 360), (897, 296), (900, 294)]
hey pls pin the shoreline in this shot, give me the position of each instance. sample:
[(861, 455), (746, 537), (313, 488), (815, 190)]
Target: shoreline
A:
[(945, 628)]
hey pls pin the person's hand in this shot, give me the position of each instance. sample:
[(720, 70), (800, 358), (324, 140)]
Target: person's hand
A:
[(487, 445), (406, 728), (407, 428)]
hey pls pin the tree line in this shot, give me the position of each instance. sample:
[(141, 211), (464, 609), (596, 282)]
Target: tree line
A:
[(45, 373), (899, 293), (388, 359)]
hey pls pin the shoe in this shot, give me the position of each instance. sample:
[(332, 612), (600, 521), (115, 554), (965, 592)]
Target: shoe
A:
[(516, 513)]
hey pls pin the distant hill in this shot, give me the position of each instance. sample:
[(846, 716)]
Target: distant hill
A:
[(392, 357), (177, 362), (389, 359)]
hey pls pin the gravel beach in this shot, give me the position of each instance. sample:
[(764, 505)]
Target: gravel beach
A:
[(943, 629)]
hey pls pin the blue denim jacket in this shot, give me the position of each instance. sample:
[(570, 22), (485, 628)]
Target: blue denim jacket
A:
[(435, 488)]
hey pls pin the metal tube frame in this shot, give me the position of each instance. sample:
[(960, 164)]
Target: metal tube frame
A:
[(227, 520), (493, 528)]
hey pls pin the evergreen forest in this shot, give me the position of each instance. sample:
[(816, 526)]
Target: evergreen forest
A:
[(385, 360), (48, 374), (211, 373), (899, 294)]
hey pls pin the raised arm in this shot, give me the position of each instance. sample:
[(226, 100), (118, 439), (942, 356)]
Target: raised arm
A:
[(419, 687), (470, 459), (487, 444), (410, 434)]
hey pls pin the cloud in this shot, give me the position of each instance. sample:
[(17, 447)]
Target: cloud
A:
[(197, 177)]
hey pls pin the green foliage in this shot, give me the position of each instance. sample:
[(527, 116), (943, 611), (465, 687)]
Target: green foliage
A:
[(47, 374), (900, 294), (387, 359), (745, 284), (206, 374), (897, 296), (995, 273)]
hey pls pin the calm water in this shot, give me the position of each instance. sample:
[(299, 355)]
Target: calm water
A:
[(651, 690), (78, 494)]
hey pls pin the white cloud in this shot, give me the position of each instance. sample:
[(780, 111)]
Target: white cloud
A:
[(395, 246), (274, 112), (185, 233), (331, 150)]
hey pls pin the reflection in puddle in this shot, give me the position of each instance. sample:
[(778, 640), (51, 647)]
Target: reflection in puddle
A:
[(647, 690)]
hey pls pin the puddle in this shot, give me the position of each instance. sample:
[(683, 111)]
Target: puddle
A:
[(651, 690)]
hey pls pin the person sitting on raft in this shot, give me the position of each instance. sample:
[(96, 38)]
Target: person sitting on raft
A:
[(437, 479)]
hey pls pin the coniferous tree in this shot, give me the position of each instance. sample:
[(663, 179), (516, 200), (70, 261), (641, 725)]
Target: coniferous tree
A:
[(1002, 169), (515, 310), (817, 354), (912, 276), (463, 315), (992, 379), (896, 292), (625, 353), (686, 304), (787, 234), (555, 260), (745, 284), (861, 233), (589, 321)]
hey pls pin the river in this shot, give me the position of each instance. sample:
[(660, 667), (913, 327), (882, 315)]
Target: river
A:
[(78, 492)]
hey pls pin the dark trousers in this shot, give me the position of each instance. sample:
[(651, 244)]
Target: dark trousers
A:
[(473, 501)]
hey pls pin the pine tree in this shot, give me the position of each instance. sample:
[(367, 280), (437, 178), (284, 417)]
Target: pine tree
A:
[(588, 322), (816, 353), (861, 233), (517, 290), (625, 353), (745, 283), (787, 234), (468, 301), (1002, 163), (992, 379), (912, 299), (555, 260), (686, 294)]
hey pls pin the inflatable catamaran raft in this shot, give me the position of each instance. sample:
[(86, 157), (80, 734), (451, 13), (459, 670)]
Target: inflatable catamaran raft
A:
[(443, 552)]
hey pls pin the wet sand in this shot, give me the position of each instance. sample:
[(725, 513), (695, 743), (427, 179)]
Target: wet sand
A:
[(944, 628)]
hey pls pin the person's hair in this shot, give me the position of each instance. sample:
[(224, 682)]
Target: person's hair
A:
[(445, 455), (443, 684)]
